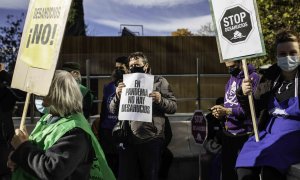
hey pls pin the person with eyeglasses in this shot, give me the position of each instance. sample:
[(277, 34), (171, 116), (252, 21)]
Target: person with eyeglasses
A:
[(277, 106), (141, 155)]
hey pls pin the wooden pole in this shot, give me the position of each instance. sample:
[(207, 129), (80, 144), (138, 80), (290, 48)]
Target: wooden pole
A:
[(251, 102), (23, 120)]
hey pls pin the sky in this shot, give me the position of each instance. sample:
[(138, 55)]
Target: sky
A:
[(157, 17)]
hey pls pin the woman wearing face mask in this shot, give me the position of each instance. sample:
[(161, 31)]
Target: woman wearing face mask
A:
[(277, 105)]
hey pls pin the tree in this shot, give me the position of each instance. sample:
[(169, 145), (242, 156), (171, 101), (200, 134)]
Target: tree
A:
[(206, 30), (10, 38), (75, 23), (182, 32), (276, 15)]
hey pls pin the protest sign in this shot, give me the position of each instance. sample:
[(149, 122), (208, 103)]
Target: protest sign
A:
[(39, 49), (199, 127), (135, 103), (238, 30), (40, 45)]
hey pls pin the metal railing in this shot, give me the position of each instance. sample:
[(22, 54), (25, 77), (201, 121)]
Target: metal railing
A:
[(89, 77)]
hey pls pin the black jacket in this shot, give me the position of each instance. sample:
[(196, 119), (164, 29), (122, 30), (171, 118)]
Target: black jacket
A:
[(69, 158)]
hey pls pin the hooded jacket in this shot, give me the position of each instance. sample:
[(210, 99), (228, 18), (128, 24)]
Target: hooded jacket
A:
[(238, 121)]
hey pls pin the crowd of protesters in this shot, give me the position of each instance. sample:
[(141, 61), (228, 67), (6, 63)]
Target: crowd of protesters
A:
[(64, 146)]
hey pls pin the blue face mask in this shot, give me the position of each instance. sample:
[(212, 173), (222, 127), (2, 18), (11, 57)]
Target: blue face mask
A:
[(288, 63), (39, 106)]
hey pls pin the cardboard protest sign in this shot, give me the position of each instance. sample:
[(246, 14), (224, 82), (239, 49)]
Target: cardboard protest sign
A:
[(238, 30), (135, 103), (199, 127), (40, 45)]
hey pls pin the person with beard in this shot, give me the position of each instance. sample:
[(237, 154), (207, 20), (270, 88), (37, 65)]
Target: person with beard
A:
[(238, 124), (74, 69), (277, 106), (108, 120), (140, 156)]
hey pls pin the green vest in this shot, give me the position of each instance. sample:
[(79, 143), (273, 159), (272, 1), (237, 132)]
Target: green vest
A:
[(45, 135)]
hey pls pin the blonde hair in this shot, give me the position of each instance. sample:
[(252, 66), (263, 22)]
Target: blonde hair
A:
[(64, 95)]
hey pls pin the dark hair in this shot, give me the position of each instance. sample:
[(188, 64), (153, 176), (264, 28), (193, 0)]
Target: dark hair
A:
[(286, 35), (71, 66), (220, 101), (137, 55), (122, 60)]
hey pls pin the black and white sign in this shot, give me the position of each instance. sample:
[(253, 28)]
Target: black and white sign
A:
[(135, 103), (236, 24), (238, 29)]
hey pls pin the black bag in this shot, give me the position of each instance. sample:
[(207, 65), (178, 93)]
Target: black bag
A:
[(121, 132)]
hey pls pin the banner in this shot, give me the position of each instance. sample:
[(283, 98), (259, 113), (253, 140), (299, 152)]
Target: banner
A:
[(238, 30), (40, 45), (135, 103)]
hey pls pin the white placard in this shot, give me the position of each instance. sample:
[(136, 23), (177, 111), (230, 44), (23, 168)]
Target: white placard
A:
[(238, 29), (135, 103)]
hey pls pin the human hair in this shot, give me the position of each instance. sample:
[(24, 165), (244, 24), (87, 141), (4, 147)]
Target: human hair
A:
[(137, 55), (286, 35), (123, 60), (64, 95)]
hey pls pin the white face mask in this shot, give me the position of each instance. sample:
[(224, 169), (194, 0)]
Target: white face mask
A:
[(288, 63), (39, 106)]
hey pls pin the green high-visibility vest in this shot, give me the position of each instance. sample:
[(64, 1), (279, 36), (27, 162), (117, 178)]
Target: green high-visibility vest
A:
[(45, 135)]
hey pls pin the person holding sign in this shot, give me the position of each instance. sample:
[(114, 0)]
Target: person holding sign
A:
[(62, 145), (140, 156), (108, 120), (277, 104), (238, 125)]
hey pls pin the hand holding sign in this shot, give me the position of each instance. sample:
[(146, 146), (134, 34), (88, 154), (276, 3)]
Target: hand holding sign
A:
[(121, 85), (247, 86), (156, 96)]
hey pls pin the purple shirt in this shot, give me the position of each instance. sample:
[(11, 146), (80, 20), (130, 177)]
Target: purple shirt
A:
[(238, 122)]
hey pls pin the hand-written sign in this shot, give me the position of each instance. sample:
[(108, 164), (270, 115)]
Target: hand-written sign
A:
[(135, 103), (199, 127)]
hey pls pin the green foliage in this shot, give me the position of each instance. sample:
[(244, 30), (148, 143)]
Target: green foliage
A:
[(10, 38), (75, 23), (274, 16)]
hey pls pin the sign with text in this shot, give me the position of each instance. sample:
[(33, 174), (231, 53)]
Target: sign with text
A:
[(40, 45), (199, 127), (135, 103), (238, 30)]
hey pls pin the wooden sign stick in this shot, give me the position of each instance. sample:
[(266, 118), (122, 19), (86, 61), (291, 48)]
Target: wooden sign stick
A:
[(251, 102), (23, 120)]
